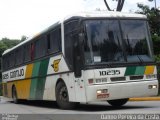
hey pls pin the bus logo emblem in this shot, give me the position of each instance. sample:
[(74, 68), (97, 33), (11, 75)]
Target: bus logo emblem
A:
[(55, 65)]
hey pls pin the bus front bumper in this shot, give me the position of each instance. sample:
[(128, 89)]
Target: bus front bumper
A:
[(113, 91)]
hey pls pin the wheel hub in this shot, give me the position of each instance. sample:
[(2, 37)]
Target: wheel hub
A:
[(63, 94)]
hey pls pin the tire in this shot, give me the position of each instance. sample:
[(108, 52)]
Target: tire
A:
[(118, 102), (14, 95), (62, 97)]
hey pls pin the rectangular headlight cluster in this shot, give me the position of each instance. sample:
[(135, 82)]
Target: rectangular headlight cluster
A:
[(151, 76), (152, 86), (97, 81)]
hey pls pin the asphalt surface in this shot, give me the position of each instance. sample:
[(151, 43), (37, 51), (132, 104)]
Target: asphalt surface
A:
[(48, 110)]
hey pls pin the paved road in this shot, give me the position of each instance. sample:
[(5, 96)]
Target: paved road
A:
[(42, 109)]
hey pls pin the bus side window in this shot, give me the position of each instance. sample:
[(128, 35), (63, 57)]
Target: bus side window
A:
[(19, 56), (54, 41), (39, 48), (48, 43), (5, 62), (12, 59), (27, 53), (32, 51), (69, 29)]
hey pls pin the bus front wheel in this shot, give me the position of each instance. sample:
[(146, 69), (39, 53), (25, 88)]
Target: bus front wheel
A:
[(14, 95), (62, 97), (118, 102)]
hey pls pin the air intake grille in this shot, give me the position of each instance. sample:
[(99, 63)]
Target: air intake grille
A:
[(136, 77), (118, 79)]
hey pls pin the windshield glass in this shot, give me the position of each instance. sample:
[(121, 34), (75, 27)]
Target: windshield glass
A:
[(105, 39), (135, 36), (103, 42)]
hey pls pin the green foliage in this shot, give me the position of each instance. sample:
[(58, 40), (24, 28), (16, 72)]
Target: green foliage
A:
[(23, 38), (157, 58), (153, 16), (5, 44), (9, 43), (156, 44)]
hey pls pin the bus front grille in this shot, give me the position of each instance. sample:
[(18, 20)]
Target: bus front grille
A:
[(136, 77), (113, 79)]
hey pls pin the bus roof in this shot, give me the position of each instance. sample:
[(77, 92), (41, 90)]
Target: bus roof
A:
[(91, 14), (107, 14)]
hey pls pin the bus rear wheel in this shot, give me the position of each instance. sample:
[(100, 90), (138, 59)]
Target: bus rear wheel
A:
[(118, 102), (62, 97), (14, 95)]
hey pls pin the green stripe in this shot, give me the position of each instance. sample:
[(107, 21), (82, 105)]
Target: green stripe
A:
[(41, 81), (130, 71), (37, 84), (140, 70), (34, 82)]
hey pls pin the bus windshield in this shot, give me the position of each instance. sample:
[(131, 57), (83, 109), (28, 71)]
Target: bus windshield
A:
[(116, 41)]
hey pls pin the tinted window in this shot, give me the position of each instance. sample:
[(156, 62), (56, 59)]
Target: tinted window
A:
[(27, 52), (69, 49), (19, 56), (103, 42), (12, 59), (40, 47), (136, 37), (69, 31), (70, 26), (5, 62), (54, 41)]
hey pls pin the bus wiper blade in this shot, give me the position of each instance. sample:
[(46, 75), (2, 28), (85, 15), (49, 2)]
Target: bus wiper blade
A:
[(141, 60)]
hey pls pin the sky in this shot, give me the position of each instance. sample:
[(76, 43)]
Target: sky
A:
[(29, 17)]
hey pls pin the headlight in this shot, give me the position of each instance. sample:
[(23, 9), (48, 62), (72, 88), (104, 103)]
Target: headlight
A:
[(152, 76), (103, 80), (97, 81)]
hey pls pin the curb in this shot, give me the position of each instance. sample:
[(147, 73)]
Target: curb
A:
[(145, 99)]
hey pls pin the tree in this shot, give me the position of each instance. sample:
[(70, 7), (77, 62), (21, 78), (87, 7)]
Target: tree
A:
[(5, 44), (153, 16), (23, 38), (10, 42)]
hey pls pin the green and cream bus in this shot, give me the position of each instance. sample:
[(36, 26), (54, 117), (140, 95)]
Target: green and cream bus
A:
[(87, 57)]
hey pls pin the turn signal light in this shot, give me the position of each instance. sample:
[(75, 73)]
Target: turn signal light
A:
[(90, 81)]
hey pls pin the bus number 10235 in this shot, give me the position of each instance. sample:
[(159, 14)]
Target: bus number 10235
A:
[(109, 72)]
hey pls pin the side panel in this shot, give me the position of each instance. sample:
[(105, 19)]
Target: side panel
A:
[(58, 70), (38, 79), (23, 88), (34, 80), (9, 89)]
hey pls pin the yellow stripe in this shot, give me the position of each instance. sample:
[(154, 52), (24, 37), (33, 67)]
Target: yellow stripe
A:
[(9, 89), (23, 86), (149, 70), (29, 71)]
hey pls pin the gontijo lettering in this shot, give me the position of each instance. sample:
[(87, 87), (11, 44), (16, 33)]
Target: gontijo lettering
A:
[(17, 73)]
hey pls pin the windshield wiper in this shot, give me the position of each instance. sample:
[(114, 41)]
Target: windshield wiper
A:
[(141, 60)]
